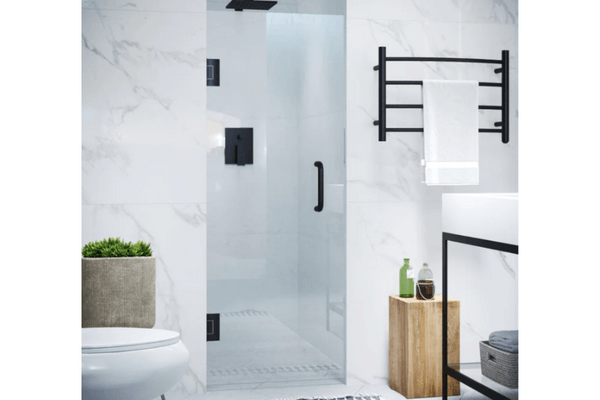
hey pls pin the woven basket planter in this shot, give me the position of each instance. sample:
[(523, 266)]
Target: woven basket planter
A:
[(118, 292), (498, 365)]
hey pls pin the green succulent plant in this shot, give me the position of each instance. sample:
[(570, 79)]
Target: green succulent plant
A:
[(116, 247)]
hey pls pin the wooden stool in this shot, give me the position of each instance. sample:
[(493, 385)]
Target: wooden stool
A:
[(415, 352)]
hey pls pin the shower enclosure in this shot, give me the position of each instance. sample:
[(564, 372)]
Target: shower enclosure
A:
[(276, 194)]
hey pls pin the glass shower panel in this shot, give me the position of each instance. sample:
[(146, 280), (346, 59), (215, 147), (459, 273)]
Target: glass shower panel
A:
[(276, 267), (311, 47)]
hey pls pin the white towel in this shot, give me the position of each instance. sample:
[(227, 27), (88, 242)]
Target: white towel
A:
[(451, 132)]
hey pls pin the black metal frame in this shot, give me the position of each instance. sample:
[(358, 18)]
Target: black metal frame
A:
[(383, 82), (446, 370)]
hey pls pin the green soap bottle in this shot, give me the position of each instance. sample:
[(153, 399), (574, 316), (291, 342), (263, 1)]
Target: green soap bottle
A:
[(407, 282)]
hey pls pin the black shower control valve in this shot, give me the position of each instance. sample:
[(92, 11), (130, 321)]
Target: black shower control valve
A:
[(239, 146)]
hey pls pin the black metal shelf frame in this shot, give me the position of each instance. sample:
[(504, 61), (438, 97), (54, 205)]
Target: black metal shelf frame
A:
[(447, 370), (383, 83)]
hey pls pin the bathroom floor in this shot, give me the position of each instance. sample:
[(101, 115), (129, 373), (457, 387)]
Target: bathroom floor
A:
[(353, 388), (272, 362), (256, 351)]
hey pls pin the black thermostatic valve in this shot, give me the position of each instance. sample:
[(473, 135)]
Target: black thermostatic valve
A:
[(213, 72), (239, 146)]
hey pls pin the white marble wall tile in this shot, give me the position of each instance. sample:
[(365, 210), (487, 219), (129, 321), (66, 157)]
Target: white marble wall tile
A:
[(147, 5), (489, 11), (143, 107), (177, 234), (407, 10)]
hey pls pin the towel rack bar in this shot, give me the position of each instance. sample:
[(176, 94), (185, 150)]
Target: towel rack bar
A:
[(443, 59), (421, 106), (491, 84), (404, 106), (482, 130), (404, 129), (403, 82)]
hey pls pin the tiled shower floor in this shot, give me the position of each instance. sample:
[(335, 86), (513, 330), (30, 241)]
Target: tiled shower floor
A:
[(256, 350)]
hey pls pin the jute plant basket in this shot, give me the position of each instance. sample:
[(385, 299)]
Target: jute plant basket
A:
[(118, 292)]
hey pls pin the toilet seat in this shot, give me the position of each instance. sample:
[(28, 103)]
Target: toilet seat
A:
[(116, 340)]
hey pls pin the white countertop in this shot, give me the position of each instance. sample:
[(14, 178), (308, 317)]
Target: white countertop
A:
[(490, 216)]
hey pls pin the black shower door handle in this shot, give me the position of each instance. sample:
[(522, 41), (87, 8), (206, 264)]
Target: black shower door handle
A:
[(319, 206)]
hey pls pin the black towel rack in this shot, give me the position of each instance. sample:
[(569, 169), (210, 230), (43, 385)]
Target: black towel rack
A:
[(383, 82)]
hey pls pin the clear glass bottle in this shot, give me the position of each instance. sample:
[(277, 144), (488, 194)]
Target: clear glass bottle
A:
[(407, 282), (425, 286)]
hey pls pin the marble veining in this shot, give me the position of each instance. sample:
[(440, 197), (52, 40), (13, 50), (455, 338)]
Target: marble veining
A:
[(143, 98), (505, 264), (489, 11)]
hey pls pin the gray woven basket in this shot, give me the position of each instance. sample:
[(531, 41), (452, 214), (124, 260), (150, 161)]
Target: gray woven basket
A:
[(498, 365)]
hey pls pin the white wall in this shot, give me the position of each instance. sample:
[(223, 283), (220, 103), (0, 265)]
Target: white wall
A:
[(390, 214), (144, 153)]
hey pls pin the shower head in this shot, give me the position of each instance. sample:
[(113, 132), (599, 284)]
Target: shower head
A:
[(241, 5)]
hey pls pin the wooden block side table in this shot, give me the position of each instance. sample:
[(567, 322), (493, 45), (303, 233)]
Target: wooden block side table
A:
[(415, 348)]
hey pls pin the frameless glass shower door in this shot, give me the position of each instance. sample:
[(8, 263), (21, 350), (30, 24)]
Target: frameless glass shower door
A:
[(276, 260)]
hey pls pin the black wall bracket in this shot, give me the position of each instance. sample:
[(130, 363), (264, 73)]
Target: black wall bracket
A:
[(213, 327), (213, 72), (239, 146)]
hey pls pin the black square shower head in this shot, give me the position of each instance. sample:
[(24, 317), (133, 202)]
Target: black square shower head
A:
[(241, 5)]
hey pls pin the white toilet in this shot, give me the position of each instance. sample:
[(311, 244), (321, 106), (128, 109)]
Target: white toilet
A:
[(130, 363)]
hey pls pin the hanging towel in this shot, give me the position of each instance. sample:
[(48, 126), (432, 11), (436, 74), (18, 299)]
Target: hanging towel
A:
[(451, 132)]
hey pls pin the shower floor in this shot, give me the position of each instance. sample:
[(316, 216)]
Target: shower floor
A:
[(257, 350)]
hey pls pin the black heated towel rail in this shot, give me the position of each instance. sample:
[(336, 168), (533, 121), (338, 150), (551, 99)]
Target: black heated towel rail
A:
[(383, 83)]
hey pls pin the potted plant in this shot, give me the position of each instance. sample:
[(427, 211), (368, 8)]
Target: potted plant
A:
[(118, 284)]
